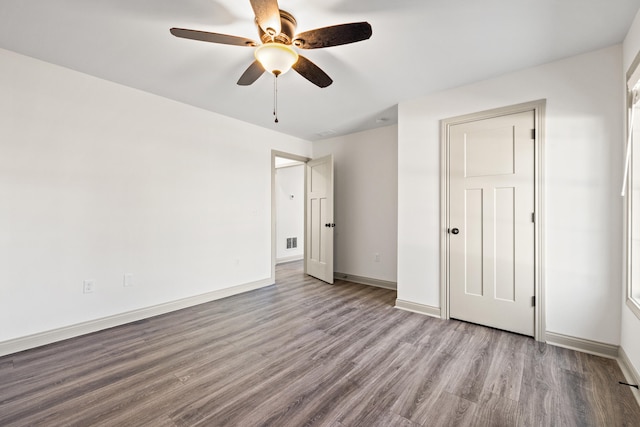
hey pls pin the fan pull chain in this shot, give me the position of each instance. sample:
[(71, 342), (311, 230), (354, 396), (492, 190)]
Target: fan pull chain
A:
[(275, 97)]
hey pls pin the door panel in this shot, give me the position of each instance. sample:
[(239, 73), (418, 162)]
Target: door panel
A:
[(473, 242), (504, 243), (319, 236), (314, 211), (491, 188), (479, 142)]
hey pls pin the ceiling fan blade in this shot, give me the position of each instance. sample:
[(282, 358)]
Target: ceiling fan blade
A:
[(212, 37), (251, 74), (334, 35), (312, 72), (267, 15)]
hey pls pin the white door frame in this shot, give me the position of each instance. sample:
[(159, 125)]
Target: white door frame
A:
[(538, 108), (274, 154)]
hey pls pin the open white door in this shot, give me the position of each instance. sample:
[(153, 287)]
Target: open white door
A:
[(319, 221)]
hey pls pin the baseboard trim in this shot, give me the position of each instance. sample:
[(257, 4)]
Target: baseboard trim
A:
[(418, 308), (48, 337), (630, 373), (580, 344), (286, 259), (366, 281)]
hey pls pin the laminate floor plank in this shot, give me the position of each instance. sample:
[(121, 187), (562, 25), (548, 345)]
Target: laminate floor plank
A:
[(504, 377), (425, 380), (296, 403), (305, 353), (154, 390), (416, 328), (374, 395), (452, 410), (604, 374), (473, 361), (268, 375), (386, 419), (120, 375), (575, 408), (327, 405), (495, 410)]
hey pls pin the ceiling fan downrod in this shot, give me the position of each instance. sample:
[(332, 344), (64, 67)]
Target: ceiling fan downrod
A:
[(275, 96)]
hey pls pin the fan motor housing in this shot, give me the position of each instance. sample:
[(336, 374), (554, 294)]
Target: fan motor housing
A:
[(288, 26)]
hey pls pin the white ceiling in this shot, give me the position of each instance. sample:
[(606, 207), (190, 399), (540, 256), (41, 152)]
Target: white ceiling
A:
[(417, 47)]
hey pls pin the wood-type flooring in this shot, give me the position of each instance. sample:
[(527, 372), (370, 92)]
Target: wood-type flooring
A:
[(305, 353)]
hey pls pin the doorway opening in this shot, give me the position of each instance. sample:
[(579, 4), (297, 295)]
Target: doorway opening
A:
[(289, 199), (317, 238), (287, 209)]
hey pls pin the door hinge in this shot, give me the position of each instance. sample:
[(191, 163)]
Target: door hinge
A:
[(533, 217), (533, 301), (533, 134)]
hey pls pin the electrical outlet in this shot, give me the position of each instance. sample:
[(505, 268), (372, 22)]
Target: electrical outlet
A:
[(128, 280), (88, 286), (376, 257)]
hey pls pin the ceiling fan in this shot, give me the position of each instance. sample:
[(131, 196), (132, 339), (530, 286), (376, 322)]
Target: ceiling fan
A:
[(275, 53)]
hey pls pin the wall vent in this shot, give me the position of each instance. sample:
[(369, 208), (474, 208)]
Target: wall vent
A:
[(292, 242)]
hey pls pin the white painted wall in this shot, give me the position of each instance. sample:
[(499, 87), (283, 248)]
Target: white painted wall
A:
[(582, 178), (630, 337), (289, 211), (366, 191), (98, 180)]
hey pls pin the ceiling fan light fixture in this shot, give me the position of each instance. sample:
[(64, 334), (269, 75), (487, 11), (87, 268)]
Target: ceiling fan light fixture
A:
[(276, 58)]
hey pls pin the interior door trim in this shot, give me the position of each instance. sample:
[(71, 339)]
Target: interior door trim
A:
[(538, 108)]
